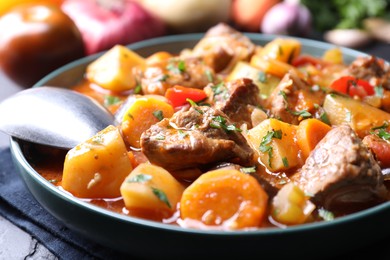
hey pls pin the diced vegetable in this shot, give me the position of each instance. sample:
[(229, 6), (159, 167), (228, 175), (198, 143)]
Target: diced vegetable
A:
[(178, 95), (151, 188), (281, 49), (143, 112), (158, 57), (273, 67), (310, 131), (353, 86), (113, 70), (380, 146), (274, 142), (360, 116), (334, 56), (225, 197), (291, 206), (97, 167), (266, 82), (305, 59)]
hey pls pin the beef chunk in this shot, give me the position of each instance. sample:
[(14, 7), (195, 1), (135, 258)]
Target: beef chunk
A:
[(196, 137), (371, 69), (341, 169), (237, 99), (190, 72), (222, 46), (293, 98)]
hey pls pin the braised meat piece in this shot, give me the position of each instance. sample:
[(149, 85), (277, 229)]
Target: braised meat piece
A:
[(341, 169), (222, 46), (371, 69), (188, 72), (237, 99), (294, 99), (196, 137)]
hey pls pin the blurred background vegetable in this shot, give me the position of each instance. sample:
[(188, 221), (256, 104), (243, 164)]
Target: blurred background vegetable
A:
[(36, 39), (343, 21), (189, 15), (345, 14), (288, 17), (248, 14), (6, 5), (104, 23)]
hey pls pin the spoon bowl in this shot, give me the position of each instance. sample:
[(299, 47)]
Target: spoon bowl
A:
[(53, 116)]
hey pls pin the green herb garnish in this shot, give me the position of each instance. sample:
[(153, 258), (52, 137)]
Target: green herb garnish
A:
[(158, 114), (140, 178), (161, 196)]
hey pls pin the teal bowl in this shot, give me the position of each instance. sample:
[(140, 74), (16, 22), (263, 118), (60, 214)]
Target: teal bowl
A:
[(148, 239)]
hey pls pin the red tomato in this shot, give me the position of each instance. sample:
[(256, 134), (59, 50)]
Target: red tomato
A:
[(178, 95), (380, 147), (353, 86)]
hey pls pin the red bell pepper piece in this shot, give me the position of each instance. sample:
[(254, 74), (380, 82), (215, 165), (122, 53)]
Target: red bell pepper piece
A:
[(353, 86), (178, 95)]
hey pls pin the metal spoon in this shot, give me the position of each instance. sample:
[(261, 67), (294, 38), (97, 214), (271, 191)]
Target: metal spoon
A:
[(53, 116)]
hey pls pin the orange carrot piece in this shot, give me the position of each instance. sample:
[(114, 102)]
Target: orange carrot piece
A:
[(143, 113), (225, 197), (310, 131)]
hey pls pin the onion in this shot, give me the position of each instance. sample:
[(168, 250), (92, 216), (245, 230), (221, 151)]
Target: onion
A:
[(289, 18), (104, 24)]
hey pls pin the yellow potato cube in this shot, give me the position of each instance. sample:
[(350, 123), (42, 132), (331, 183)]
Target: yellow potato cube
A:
[(114, 69), (97, 167), (275, 144), (151, 188)]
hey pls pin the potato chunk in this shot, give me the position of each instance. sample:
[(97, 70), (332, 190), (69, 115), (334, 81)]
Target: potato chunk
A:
[(113, 70), (97, 167), (151, 188), (359, 115), (275, 144)]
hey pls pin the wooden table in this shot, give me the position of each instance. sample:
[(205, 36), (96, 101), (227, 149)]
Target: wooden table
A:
[(17, 244)]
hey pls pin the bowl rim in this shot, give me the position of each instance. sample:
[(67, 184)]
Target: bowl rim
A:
[(20, 158)]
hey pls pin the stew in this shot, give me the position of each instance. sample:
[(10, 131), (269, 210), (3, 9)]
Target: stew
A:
[(232, 135)]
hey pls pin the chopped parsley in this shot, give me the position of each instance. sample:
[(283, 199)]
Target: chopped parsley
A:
[(248, 169), (381, 131), (324, 118), (303, 113), (178, 68), (220, 122), (161, 196), (194, 105), (285, 162), (262, 77), (137, 89), (111, 100), (158, 114), (209, 75), (325, 214), (265, 144), (182, 134), (220, 90), (378, 91), (140, 178)]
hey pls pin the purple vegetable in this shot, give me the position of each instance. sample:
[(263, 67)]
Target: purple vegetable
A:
[(288, 18), (105, 23)]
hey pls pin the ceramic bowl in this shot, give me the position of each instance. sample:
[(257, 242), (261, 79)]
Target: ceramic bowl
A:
[(144, 238)]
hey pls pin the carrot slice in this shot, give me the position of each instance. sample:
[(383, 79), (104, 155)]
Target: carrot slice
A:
[(143, 113), (310, 131), (225, 197)]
